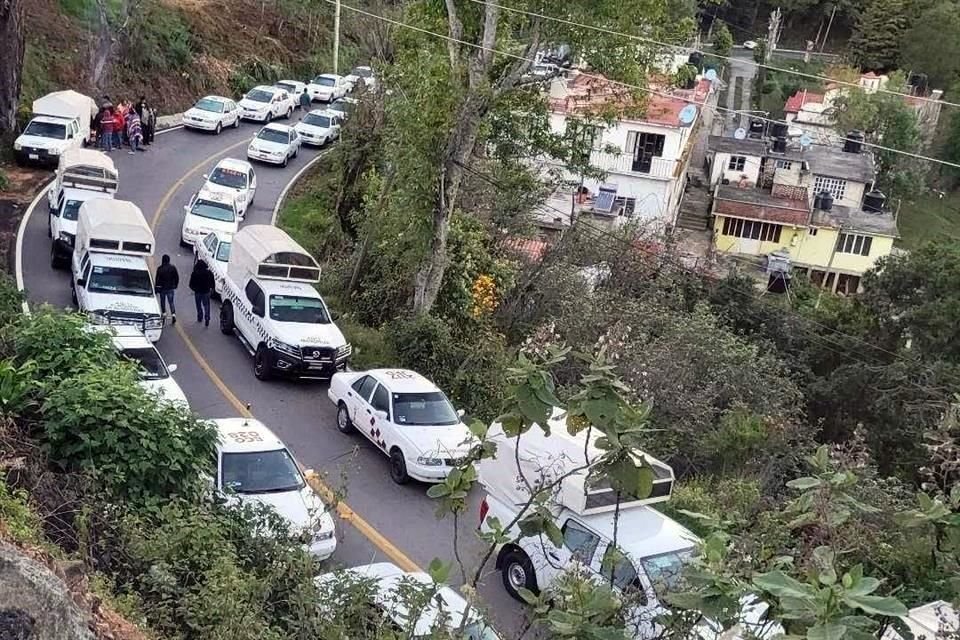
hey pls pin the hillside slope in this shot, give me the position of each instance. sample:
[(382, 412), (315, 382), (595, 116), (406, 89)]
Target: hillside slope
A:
[(170, 50)]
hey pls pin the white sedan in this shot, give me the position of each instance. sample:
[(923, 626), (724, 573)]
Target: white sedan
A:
[(263, 104), (155, 377), (327, 87), (395, 591), (407, 417), (212, 113), (750, 45), (235, 178), (214, 249), (319, 127), (208, 211), (276, 144), (253, 465), (293, 87), (361, 76)]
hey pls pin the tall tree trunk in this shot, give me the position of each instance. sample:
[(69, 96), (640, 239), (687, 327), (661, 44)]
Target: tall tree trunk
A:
[(11, 62)]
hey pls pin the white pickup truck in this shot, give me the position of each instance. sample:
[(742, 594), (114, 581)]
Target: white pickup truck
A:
[(83, 174), (270, 304), (111, 280), (61, 121)]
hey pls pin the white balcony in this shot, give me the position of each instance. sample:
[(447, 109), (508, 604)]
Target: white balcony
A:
[(625, 163)]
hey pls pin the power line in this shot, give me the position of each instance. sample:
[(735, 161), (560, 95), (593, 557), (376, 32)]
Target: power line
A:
[(626, 85), (683, 48)]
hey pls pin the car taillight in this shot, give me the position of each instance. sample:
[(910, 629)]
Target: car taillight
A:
[(484, 508)]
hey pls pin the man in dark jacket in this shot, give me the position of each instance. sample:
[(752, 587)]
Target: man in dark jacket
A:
[(167, 280), (201, 283), (305, 101)]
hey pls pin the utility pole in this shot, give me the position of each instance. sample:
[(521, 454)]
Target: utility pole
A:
[(829, 24), (336, 37), (773, 33), (826, 274)]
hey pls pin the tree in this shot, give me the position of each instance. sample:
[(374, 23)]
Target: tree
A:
[(722, 40), (939, 23), (875, 43), (11, 63)]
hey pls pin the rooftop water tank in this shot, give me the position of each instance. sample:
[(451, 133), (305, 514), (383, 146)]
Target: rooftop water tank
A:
[(826, 201), (780, 145), (779, 130), (853, 142), (874, 201)]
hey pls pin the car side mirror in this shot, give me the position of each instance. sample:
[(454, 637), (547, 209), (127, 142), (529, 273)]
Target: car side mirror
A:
[(206, 177), (334, 315), (186, 208), (171, 368), (81, 282), (461, 413), (380, 415)]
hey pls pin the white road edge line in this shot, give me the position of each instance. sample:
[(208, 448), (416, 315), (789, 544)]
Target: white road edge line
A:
[(294, 180), (18, 268)]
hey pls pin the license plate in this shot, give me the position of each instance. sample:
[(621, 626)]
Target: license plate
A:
[(34, 156)]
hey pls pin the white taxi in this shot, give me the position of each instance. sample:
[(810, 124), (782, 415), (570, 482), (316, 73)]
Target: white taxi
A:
[(327, 87), (319, 127), (214, 250), (253, 465), (264, 103), (293, 87), (276, 144), (361, 76), (234, 178), (407, 417), (212, 113), (208, 211), (155, 377)]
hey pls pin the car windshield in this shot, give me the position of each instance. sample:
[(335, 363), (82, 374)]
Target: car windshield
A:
[(298, 309), (229, 178), (260, 472), (149, 363), (420, 409), (71, 209), (223, 252), (46, 130), (324, 81), (317, 120), (272, 135), (134, 282), (287, 86), (213, 210), (259, 95), (666, 569), (341, 106), (214, 106), (363, 72)]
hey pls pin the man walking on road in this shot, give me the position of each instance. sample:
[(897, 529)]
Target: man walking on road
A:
[(201, 283), (167, 280), (305, 101)]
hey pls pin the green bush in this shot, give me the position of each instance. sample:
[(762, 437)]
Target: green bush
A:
[(158, 39), (733, 499), (11, 302), (17, 519), (60, 345)]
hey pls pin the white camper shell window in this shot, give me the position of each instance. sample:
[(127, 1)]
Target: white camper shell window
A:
[(87, 169), (264, 251), (114, 226)]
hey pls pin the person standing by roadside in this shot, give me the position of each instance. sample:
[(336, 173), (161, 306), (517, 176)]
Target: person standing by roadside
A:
[(106, 129), (118, 126), (202, 283), (305, 101), (148, 118), (167, 280), (134, 132)]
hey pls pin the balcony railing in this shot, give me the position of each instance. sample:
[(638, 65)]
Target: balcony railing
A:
[(628, 164)]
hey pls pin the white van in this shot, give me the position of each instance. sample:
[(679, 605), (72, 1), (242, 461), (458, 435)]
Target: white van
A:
[(111, 280), (82, 175), (61, 121)]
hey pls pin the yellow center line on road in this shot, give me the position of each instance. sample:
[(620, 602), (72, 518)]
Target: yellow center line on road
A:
[(313, 479)]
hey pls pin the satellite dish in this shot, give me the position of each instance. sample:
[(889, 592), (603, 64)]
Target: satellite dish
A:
[(688, 114), (711, 75), (740, 134), (806, 140)]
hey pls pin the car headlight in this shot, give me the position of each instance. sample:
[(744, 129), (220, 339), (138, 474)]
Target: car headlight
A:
[(66, 237), (429, 461), (320, 536), (283, 347), (99, 317), (344, 350), (17, 146), (153, 322), (53, 151)]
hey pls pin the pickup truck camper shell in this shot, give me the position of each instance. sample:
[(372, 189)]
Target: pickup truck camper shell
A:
[(87, 169), (113, 226), (543, 458), (264, 251)]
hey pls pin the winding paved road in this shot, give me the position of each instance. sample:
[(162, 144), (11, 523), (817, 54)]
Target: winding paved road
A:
[(217, 374)]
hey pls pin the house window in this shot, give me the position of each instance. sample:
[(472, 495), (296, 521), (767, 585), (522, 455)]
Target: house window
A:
[(835, 186), (626, 206), (784, 164), (751, 229), (855, 244), (847, 284), (737, 163), (647, 147), (812, 231)]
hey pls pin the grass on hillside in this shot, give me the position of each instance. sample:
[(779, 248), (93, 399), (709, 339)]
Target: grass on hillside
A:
[(929, 218)]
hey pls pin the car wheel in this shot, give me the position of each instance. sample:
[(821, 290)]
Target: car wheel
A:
[(261, 363), (73, 295), (49, 226), (216, 131), (344, 423), (286, 161), (183, 244), (55, 261), (226, 319), (296, 152), (289, 113), (398, 467), (518, 573), (236, 123)]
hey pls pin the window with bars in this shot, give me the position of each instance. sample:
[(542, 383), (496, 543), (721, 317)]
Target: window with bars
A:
[(626, 206), (644, 147), (752, 229), (784, 164), (737, 163), (855, 244), (835, 186)]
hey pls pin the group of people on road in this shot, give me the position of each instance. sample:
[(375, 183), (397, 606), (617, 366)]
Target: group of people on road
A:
[(125, 123), (167, 280)]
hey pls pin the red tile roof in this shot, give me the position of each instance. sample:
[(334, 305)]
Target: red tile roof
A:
[(800, 98), (771, 209), (527, 248), (588, 93)]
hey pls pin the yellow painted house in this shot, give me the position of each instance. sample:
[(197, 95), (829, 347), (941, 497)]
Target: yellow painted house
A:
[(775, 205)]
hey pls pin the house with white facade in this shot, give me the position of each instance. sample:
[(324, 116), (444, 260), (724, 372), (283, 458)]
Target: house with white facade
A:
[(643, 153)]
